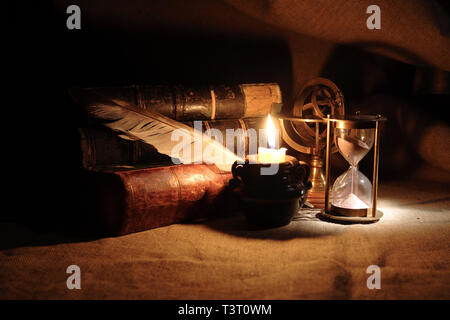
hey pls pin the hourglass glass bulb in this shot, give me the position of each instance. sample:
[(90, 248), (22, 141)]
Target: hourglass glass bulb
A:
[(352, 149), (352, 190)]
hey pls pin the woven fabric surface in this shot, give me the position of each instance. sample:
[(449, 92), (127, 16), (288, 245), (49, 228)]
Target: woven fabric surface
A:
[(224, 259)]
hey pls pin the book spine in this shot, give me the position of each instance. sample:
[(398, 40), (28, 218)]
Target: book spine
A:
[(101, 146), (187, 103), (136, 200)]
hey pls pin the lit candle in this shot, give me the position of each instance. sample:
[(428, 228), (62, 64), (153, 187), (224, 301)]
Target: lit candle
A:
[(271, 155)]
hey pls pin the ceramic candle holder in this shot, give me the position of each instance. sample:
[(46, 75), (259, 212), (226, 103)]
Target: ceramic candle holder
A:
[(271, 200)]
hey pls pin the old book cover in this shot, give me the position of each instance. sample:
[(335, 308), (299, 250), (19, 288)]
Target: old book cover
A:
[(207, 102), (127, 199)]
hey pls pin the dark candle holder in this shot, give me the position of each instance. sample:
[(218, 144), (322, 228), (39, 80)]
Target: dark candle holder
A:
[(270, 201)]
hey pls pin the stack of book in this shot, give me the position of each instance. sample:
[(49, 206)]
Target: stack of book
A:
[(131, 187)]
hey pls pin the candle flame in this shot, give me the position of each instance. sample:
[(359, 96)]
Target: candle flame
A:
[(270, 131)]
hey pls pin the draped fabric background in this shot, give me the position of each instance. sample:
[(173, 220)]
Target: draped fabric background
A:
[(400, 71), (405, 33)]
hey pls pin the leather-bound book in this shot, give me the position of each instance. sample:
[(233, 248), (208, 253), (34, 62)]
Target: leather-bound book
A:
[(186, 103), (101, 146), (131, 199)]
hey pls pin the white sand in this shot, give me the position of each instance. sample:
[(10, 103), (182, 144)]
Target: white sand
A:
[(352, 149), (350, 202)]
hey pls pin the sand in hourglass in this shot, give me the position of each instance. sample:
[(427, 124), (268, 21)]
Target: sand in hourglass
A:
[(351, 201), (353, 150)]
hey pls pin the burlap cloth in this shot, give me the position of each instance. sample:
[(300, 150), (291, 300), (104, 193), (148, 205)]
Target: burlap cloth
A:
[(223, 259)]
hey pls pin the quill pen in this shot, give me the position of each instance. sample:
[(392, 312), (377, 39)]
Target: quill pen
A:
[(170, 137)]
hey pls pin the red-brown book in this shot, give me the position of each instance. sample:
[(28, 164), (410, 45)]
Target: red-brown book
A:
[(127, 200)]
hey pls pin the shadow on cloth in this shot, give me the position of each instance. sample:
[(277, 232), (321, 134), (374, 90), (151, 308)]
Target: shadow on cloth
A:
[(297, 228), (14, 235)]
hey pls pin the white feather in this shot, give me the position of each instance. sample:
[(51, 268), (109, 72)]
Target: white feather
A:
[(153, 128)]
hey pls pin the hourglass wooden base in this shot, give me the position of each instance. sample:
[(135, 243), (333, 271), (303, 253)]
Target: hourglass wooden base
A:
[(350, 212), (367, 219)]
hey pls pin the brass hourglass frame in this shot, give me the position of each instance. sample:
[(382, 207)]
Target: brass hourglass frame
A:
[(354, 122)]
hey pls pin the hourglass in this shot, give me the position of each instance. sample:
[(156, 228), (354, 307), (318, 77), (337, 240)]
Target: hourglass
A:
[(353, 196)]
